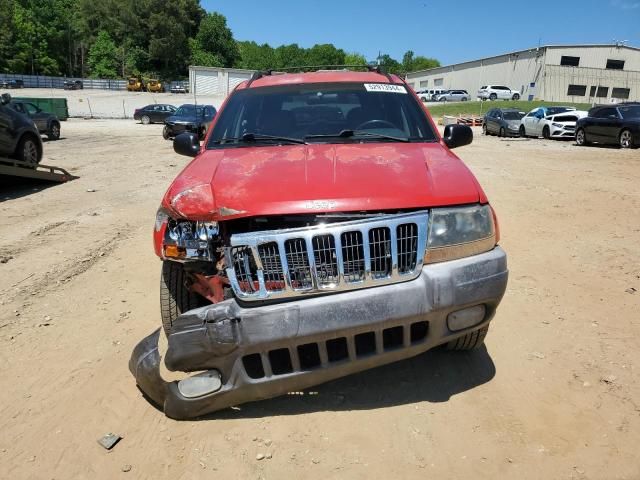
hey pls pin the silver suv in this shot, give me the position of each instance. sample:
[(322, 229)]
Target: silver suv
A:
[(495, 92), (453, 96)]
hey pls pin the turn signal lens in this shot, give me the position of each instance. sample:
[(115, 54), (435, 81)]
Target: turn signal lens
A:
[(173, 251)]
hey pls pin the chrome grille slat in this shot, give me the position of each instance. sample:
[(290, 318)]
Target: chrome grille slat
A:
[(335, 257)]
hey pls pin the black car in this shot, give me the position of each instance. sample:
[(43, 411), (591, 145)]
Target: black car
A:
[(73, 85), (154, 113), (47, 123), (19, 137), (189, 118), (12, 84), (611, 124), (504, 122)]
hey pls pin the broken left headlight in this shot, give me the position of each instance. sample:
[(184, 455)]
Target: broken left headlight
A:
[(187, 239)]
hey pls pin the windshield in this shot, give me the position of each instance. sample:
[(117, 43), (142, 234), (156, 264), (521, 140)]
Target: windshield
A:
[(632, 111), (513, 115), (321, 113), (189, 111), (554, 110)]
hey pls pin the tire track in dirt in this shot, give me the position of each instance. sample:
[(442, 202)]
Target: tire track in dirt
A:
[(67, 270)]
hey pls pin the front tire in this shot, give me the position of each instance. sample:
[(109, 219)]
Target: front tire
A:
[(484, 129), (626, 139), (145, 120), (581, 137), (516, 96), (28, 150), (470, 341), (546, 134), (165, 133), (493, 97), (54, 131), (522, 131), (175, 295)]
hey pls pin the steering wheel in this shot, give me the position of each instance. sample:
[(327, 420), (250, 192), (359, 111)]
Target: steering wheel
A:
[(374, 124)]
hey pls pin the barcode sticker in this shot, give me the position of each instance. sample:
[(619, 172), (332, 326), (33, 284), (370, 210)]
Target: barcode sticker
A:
[(384, 87)]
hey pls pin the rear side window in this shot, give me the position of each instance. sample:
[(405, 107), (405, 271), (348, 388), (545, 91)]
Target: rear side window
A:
[(606, 113)]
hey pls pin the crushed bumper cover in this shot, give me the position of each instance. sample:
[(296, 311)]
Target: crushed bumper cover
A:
[(269, 350)]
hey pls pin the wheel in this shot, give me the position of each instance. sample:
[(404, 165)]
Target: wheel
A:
[(470, 341), (202, 134), (464, 99), (516, 96), (165, 133), (502, 132), (522, 131), (581, 137), (484, 129), (54, 131), (175, 295), (28, 150), (626, 139), (145, 120), (493, 97), (442, 100), (546, 133)]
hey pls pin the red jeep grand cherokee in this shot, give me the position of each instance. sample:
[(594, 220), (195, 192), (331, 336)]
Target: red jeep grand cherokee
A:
[(323, 228)]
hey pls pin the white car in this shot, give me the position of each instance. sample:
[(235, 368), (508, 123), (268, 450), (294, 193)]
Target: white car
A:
[(551, 122), (495, 92), (429, 95)]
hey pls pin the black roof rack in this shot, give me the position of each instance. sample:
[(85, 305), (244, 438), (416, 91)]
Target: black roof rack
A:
[(307, 68)]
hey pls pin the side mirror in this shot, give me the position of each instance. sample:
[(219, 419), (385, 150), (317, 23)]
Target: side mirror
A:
[(5, 99), (187, 144), (457, 136)]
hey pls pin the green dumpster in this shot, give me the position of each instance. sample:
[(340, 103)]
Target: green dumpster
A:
[(57, 106)]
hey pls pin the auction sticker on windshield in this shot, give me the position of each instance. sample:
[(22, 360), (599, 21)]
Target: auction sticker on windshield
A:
[(384, 87)]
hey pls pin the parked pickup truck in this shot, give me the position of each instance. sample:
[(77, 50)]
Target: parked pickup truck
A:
[(324, 227)]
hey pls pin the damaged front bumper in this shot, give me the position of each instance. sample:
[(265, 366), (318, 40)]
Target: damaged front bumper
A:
[(269, 350)]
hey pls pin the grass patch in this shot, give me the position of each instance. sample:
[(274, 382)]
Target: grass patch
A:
[(480, 108)]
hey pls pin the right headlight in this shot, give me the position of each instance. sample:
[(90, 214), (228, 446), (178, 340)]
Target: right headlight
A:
[(459, 232)]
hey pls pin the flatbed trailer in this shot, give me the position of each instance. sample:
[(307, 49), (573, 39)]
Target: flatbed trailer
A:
[(16, 168)]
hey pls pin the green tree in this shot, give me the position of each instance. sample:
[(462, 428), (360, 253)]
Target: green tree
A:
[(355, 59), (255, 57), (390, 64), (325, 54), (103, 57), (411, 63), (286, 56), (214, 42)]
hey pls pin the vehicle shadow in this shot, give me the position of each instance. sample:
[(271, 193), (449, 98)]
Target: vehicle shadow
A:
[(12, 187), (434, 376)]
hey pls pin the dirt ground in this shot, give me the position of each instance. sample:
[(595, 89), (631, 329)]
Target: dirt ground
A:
[(555, 394)]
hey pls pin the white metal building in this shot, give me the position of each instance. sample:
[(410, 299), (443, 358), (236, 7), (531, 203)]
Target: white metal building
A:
[(574, 73), (216, 81)]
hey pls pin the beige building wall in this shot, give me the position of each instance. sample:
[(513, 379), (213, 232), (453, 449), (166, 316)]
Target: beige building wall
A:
[(537, 73)]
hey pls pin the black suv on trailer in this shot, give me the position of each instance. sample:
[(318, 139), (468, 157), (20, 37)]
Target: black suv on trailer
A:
[(19, 137)]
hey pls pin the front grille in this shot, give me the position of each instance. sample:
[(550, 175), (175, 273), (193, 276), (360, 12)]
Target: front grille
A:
[(333, 257)]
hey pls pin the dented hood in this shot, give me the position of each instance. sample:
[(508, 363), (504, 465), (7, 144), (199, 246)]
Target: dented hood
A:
[(293, 179)]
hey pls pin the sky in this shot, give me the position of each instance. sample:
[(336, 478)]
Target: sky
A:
[(451, 31)]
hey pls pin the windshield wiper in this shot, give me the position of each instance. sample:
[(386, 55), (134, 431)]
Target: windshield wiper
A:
[(359, 133), (256, 137)]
